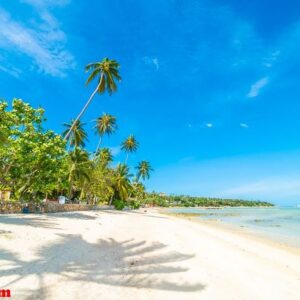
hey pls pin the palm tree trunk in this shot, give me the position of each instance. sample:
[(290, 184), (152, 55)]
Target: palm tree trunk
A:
[(98, 146), (70, 190), (111, 199), (126, 158), (81, 194), (84, 108)]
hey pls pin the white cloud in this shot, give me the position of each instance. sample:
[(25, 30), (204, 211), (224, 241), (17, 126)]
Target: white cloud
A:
[(43, 44), (152, 61), (257, 86), (244, 125), (209, 125)]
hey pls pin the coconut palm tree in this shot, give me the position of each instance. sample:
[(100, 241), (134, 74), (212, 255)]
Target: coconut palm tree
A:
[(104, 156), (130, 145), (106, 124), (79, 167), (77, 134), (138, 190), (143, 170), (106, 73), (121, 182)]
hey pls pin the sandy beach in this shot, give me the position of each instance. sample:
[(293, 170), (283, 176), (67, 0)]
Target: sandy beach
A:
[(139, 255)]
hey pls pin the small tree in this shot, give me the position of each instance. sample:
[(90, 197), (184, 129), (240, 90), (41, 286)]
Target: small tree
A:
[(32, 160)]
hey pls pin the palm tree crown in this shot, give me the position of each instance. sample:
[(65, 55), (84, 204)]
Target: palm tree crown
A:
[(79, 164), (108, 71), (143, 170), (104, 156), (77, 135), (130, 145), (122, 183), (106, 124)]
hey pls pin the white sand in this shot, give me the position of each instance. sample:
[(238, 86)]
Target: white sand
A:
[(136, 255)]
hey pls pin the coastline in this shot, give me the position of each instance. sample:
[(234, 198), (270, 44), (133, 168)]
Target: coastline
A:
[(242, 231), (140, 254)]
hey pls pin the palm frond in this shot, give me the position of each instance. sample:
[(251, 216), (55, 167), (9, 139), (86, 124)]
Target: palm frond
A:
[(101, 84), (93, 75)]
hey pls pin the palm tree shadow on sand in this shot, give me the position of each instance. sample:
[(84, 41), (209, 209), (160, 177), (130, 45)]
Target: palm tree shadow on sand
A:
[(135, 264)]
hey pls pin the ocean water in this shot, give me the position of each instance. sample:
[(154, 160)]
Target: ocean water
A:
[(278, 223)]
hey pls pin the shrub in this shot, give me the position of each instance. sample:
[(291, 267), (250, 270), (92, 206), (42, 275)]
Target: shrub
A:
[(119, 204), (135, 204)]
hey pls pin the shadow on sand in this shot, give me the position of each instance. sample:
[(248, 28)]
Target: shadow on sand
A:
[(49, 220), (43, 220), (28, 220), (132, 212), (127, 263)]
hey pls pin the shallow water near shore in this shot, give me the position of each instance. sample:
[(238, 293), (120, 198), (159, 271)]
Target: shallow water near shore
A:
[(281, 224)]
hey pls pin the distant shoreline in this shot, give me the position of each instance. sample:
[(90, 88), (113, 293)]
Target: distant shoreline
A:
[(214, 207)]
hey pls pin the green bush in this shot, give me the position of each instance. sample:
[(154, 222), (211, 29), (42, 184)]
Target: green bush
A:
[(135, 204), (119, 204)]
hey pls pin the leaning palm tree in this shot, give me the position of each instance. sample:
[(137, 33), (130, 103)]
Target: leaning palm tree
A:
[(143, 170), (77, 134), (106, 124), (130, 145), (106, 72)]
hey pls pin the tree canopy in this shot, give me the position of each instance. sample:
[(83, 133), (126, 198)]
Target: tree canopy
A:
[(36, 163)]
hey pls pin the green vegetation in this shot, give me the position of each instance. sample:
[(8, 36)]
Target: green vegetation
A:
[(106, 124), (77, 135), (33, 161), (154, 199), (36, 163), (130, 145)]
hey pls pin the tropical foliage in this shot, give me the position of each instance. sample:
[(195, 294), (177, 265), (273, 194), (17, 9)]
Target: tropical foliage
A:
[(106, 124), (106, 72), (36, 163), (143, 170), (77, 136), (130, 145), (160, 199), (32, 160)]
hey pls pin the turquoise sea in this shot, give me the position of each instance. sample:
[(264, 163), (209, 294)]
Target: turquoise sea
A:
[(278, 223)]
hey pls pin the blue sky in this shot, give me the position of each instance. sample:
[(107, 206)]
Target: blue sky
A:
[(210, 88)]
